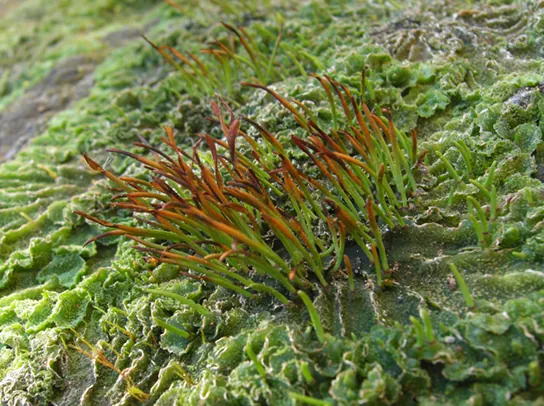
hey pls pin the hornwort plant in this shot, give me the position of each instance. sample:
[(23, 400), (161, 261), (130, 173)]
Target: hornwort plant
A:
[(482, 218), (199, 73), (218, 215)]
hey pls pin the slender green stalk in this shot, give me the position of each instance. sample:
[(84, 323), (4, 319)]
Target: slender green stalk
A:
[(270, 291), (465, 153), (451, 170), (273, 57), (478, 229), (173, 329), (309, 400), (314, 316), (377, 267), (493, 203), (462, 286), (484, 226), (529, 196), (258, 365), (482, 188), (489, 180), (420, 332), (427, 325), (183, 300), (452, 194), (306, 373)]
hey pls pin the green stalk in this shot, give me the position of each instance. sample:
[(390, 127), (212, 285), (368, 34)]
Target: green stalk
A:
[(427, 325), (335, 244), (478, 229), (389, 191), (314, 316), (381, 248), (376, 261), (363, 246), (297, 64), (403, 139), (309, 400), (183, 300), (229, 285), (332, 104), (377, 234), (267, 269), (398, 216), (306, 227), (227, 71), (161, 235), (396, 170), (297, 252), (480, 212), (271, 291), (306, 373), (452, 192), (340, 251), (451, 170), (370, 90), (462, 286), (489, 180), (315, 61), (482, 189), (420, 333), (493, 203), (465, 153), (263, 249), (258, 365), (273, 57), (210, 273), (173, 329), (351, 188)]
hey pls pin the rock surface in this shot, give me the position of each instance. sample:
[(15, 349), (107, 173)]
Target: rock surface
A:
[(69, 81)]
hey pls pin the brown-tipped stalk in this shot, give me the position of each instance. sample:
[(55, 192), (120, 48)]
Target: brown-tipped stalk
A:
[(248, 49), (330, 97), (296, 114), (226, 215)]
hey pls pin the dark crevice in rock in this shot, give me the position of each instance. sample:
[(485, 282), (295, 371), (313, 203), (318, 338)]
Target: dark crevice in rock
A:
[(67, 82)]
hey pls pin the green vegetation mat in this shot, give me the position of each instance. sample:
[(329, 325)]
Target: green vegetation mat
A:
[(459, 318)]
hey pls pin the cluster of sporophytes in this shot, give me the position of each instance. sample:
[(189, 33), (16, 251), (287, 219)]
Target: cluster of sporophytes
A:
[(241, 55), (228, 63), (482, 218), (247, 221)]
